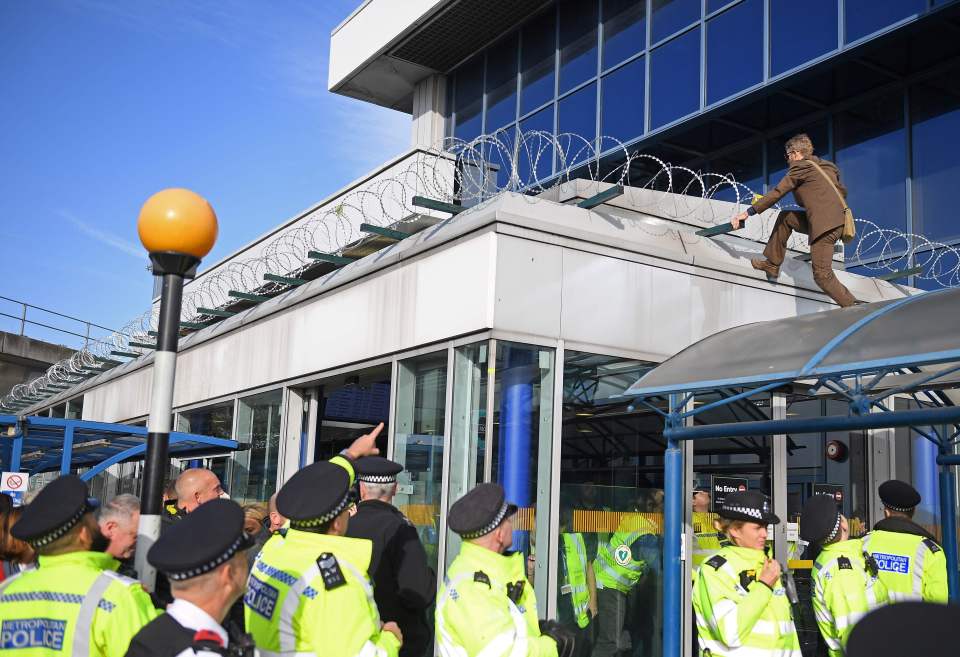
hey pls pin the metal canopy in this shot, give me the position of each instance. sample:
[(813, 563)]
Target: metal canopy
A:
[(865, 354), (915, 331), (42, 444)]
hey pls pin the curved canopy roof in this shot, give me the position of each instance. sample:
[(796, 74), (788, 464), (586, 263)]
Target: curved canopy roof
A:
[(913, 331)]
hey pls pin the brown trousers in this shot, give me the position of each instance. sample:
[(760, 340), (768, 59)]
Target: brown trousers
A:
[(821, 252)]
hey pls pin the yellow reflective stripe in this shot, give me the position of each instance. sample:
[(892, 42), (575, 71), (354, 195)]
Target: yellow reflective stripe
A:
[(84, 621)]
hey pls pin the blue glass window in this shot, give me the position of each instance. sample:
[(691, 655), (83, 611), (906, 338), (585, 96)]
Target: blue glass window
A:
[(623, 95), (500, 155), (939, 269), (871, 151), (670, 16), (535, 153), (714, 5), (537, 52), (800, 31), (675, 79), (734, 50), (578, 43), (502, 83), (577, 116), (745, 167), (863, 17), (468, 98), (624, 30), (935, 113)]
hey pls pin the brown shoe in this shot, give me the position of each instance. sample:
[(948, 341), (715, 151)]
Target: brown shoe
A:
[(770, 269)]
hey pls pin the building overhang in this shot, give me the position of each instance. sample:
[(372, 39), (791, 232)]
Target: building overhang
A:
[(384, 48)]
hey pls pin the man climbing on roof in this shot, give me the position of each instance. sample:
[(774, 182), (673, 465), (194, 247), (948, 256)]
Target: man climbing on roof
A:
[(816, 185)]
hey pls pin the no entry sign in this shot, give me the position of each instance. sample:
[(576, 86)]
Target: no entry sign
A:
[(723, 486)]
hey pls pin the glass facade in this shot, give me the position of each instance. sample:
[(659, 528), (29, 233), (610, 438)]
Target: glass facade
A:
[(625, 70), (253, 469)]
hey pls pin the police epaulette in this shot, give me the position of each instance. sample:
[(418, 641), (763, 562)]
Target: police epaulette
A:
[(715, 562), (843, 563), (481, 577), (931, 545)]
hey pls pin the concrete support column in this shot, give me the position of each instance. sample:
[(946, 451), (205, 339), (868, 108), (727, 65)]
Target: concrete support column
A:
[(429, 100)]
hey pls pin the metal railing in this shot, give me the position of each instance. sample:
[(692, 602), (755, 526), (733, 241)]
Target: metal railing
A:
[(21, 316)]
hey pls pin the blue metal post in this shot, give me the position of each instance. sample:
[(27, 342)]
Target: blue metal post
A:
[(16, 451), (516, 409), (925, 480), (672, 537), (948, 518), (67, 455)]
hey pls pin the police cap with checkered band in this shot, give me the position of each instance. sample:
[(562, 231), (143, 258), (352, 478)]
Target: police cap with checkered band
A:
[(480, 511), (315, 495), (204, 539), (377, 470), (898, 495), (820, 519), (57, 508), (749, 505)]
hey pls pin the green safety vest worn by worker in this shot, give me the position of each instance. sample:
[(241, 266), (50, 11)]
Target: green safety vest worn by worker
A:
[(289, 610), (845, 589), (72, 605), (912, 567), (575, 564), (738, 615), (475, 614), (706, 539), (616, 567)]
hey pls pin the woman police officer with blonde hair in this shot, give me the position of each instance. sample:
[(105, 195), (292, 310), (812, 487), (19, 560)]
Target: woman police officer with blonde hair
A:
[(741, 605)]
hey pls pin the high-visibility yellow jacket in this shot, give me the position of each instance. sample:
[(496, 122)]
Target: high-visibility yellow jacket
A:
[(574, 564), (289, 610), (912, 566), (844, 590), (617, 566), (476, 616), (73, 604), (737, 615)]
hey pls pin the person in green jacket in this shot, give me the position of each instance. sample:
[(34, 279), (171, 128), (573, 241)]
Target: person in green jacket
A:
[(308, 592), (74, 603), (740, 602), (845, 582), (487, 606), (912, 565)]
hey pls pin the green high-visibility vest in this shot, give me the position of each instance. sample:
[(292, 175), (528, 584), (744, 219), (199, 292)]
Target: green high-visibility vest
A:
[(912, 567), (73, 604), (615, 567), (738, 616), (289, 610), (575, 567), (844, 591)]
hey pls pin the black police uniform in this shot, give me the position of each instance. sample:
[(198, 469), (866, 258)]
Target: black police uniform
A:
[(404, 585), (198, 544), (906, 628)]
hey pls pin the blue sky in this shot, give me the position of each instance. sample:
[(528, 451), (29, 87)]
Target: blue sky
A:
[(107, 101)]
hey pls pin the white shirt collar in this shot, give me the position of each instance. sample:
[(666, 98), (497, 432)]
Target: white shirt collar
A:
[(193, 617)]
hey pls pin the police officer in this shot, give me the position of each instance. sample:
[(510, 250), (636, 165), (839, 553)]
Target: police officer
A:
[(308, 592), (404, 585), (204, 557), (487, 605), (912, 565), (845, 582), (621, 562), (577, 606), (739, 598), (74, 603), (706, 540)]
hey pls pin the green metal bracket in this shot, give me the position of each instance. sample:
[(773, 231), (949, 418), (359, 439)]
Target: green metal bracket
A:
[(109, 361), (893, 275), (215, 312), (194, 326), (285, 280), (83, 375), (431, 204), (127, 354), (602, 197), (722, 229), (142, 345), (246, 296), (389, 233), (340, 261)]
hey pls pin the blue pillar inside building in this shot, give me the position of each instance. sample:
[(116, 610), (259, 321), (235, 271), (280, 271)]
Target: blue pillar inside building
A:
[(926, 480), (516, 434)]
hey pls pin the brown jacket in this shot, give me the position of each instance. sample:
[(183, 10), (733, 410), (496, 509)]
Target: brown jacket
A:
[(813, 193)]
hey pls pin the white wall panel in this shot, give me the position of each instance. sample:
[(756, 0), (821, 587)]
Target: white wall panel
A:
[(529, 278)]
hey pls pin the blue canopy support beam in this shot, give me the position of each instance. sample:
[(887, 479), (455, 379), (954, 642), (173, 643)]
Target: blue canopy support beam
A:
[(672, 536), (16, 452), (67, 455), (948, 515), (131, 452)]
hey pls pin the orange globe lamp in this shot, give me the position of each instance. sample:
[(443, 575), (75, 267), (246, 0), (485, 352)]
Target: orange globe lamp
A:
[(177, 220)]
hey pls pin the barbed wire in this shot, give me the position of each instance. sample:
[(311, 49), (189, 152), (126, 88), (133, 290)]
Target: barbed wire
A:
[(470, 172)]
